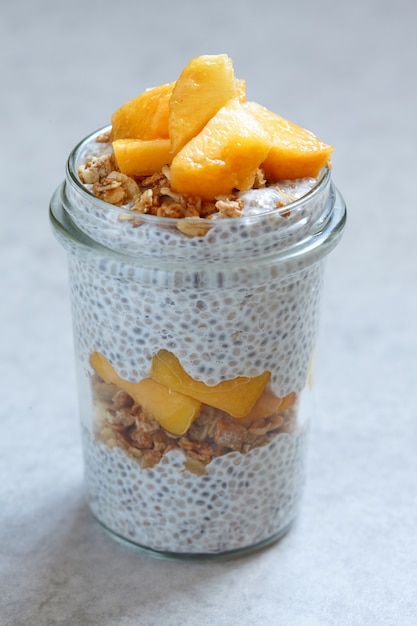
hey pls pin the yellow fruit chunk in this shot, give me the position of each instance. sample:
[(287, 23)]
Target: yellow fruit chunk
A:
[(173, 411), (288, 401), (241, 89), (236, 396), (295, 151), (144, 117), (224, 156), (137, 157), (204, 86), (269, 404)]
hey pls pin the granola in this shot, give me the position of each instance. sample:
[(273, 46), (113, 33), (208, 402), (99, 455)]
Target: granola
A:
[(119, 421), (152, 195)]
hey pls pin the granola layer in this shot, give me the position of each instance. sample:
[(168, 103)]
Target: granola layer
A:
[(121, 422)]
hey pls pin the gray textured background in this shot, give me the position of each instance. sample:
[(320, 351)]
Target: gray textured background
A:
[(345, 70)]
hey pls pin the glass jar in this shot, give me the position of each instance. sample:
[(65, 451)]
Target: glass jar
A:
[(194, 342)]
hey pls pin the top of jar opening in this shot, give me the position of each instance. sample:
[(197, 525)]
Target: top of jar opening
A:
[(270, 220)]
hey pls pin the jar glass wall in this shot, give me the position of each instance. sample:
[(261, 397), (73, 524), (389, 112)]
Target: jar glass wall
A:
[(194, 344)]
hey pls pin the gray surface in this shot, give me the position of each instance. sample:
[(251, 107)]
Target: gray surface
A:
[(348, 72)]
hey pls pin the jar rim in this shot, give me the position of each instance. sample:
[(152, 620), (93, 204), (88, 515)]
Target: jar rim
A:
[(73, 163), (82, 219)]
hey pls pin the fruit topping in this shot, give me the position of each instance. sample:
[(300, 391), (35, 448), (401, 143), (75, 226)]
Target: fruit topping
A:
[(204, 86), (295, 152), (141, 157), (215, 142), (144, 117), (224, 156)]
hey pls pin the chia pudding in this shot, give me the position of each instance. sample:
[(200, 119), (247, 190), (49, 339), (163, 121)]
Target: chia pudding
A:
[(195, 323)]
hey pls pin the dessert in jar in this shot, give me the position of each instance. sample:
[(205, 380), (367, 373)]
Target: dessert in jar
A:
[(196, 227)]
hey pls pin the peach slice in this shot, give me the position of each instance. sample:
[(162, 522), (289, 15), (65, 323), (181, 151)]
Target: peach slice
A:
[(224, 156), (295, 152), (269, 404), (204, 86), (241, 89), (236, 396), (136, 157), (173, 411), (144, 117), (288, 401)]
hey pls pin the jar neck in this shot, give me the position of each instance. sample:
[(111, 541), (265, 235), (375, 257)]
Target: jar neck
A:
[(301, 232)]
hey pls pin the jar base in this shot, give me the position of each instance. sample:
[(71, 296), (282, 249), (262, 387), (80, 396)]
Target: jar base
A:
[(226, 555)]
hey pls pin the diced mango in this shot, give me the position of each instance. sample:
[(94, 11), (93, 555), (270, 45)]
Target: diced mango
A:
[(144, 117), (236, 396), (295, 152), (224, 156), (106, 371), (204, 86), (288, 401), (241, 89), (173, 411), (267, 404), (137, 157)]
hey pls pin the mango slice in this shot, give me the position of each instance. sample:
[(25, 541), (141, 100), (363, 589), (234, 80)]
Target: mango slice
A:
[(204, 86), (137, 157), (295, 151), (270, 404), (241, 89), (236, 396), (224, 156), (144, 117), (173, 411)]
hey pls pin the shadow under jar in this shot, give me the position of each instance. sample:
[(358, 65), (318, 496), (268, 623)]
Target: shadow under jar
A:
[(194, 357)]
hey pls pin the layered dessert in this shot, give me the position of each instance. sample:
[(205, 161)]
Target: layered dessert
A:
[(195, 328)]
